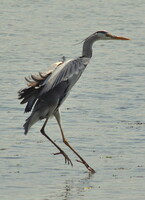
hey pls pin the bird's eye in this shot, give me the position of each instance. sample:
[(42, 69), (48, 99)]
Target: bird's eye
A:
[(108, 35)]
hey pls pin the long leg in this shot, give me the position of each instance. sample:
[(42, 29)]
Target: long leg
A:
[(67, 159), (57, 116)]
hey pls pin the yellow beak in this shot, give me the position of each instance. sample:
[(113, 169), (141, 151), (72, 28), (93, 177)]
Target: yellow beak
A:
[(114, 37), (120, 38)]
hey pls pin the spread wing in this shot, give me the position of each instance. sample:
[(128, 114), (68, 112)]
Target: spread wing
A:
[(69, 71)]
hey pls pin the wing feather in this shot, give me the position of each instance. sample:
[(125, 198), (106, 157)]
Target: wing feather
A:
[(60, 72), (35, 85), (68, 71)]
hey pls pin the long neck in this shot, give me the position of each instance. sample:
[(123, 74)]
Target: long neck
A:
[(87, 47)]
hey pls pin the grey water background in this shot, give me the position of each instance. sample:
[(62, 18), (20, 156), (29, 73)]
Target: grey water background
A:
[(104, 115)]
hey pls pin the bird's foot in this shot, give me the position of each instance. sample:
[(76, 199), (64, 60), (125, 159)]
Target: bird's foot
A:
[(67, 159), (87, 166)]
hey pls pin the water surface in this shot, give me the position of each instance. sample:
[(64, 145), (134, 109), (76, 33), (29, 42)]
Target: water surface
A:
[(103, 117)]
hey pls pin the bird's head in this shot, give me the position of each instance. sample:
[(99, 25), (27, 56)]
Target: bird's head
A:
[(104, 35), (99, 35)]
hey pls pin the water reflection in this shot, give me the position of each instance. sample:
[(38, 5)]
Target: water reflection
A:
[(76, 187)]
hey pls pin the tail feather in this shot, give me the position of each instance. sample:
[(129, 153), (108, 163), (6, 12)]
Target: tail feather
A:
[(30, 121), (29, 96), (26, 94), (30, 105)]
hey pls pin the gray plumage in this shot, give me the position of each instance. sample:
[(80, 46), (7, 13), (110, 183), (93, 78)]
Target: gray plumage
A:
[(50, 89)]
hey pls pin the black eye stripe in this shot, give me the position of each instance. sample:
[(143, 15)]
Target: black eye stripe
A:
[(103, 32)]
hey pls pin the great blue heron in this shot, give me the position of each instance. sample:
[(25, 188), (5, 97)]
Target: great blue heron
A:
[(47, 91)]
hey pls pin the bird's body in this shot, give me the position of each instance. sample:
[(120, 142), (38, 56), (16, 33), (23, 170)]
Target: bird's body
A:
[(47, 91), (52, 89)]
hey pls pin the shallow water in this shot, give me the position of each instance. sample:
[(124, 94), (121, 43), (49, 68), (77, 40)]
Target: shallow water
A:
[(103, 117)]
